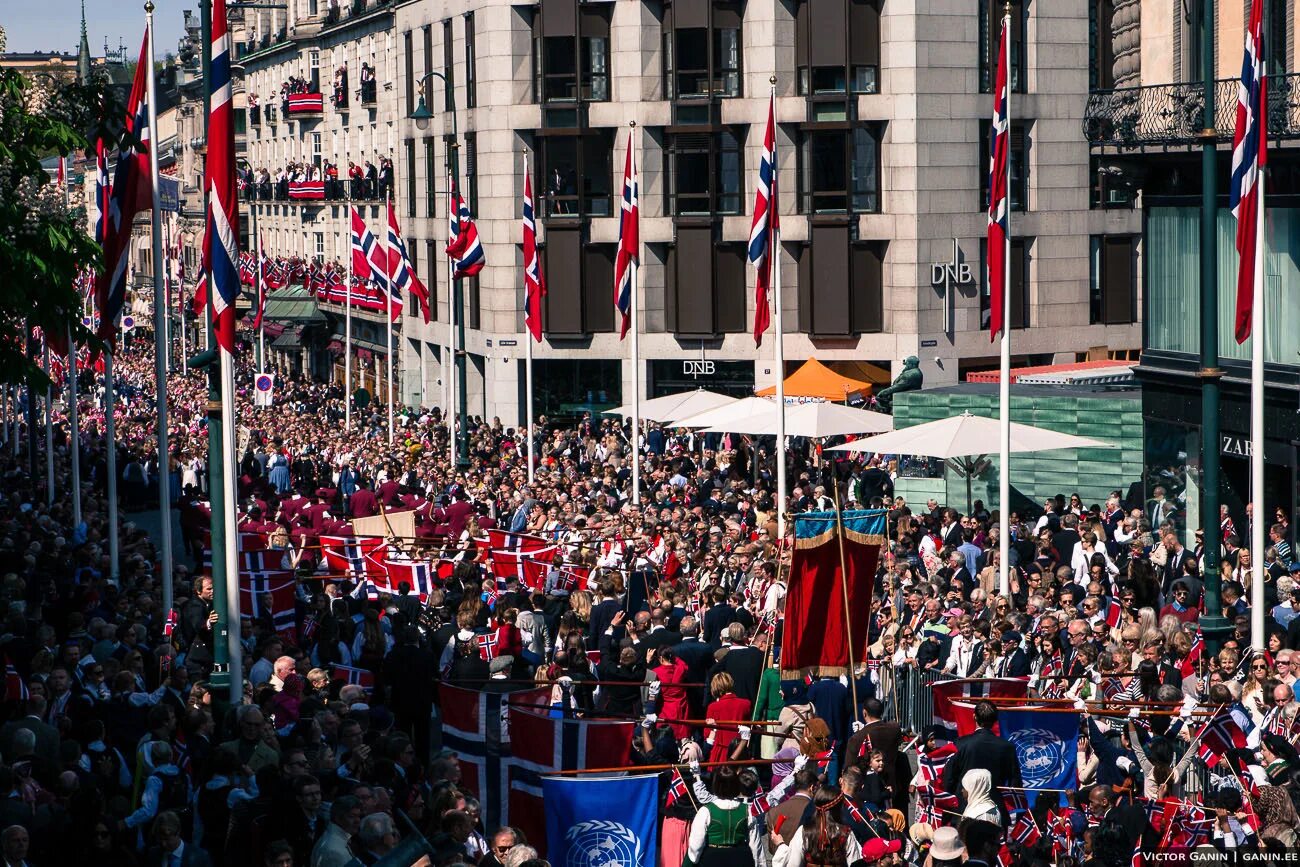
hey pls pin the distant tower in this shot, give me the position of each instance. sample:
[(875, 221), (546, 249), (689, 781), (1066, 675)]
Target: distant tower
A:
[(83, 57)]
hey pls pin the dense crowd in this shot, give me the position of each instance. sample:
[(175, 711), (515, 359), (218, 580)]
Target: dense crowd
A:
[(117, 749), (366, 181)]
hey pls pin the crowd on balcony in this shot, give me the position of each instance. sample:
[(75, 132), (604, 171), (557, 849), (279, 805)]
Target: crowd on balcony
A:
[(341, 87), (306, 180)]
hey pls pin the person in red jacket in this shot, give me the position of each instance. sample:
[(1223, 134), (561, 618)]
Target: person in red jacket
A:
[(726, 705)]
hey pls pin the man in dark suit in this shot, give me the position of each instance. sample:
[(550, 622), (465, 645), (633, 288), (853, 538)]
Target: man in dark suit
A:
[(743, 662), (886, 737), (983, 749), (1176, 557), (196, 628), (1131, 818), (698, 657), (1014, 661), (602, 615), (171, 850), (1065, 539), (47, 736), (717, 618)]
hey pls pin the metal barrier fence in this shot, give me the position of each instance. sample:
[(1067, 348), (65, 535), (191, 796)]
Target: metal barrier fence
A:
[(910, 703)]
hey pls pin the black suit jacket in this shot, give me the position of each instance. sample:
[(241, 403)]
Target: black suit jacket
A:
[(193, 856), (1133, 820), (1016, 666), (602, 616), (716, 619), (745, 665), (1064, 542), (983, 749)]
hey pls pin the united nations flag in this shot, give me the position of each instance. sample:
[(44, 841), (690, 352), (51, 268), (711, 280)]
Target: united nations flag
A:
[(1047, 748), (601, 821)]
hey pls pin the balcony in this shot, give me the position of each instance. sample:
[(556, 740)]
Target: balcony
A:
[(1134, 118)]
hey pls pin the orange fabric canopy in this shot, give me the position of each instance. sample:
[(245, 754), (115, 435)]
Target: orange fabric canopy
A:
[(815, 379)]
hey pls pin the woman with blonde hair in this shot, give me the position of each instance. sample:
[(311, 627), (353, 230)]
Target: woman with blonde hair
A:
[(580, 605), (726, 705), (1253, 698)]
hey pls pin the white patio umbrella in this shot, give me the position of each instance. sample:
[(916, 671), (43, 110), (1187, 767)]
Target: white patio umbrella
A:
[(816, 420), (964, 441), (680, 405), (721, 416)]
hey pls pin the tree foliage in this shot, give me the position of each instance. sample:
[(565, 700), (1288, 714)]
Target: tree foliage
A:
[(43, 243)]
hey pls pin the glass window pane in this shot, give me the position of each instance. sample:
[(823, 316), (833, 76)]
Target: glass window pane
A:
[(827, 171), (828, 79), (561, 176), (595, 68), (561, 69), (726, 61), (692, 62), (691, 181), (865, 79), (596, 175), (866, 186), (729, 172)]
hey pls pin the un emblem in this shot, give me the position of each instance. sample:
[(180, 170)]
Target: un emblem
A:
[(1041, 755), (602, 844)]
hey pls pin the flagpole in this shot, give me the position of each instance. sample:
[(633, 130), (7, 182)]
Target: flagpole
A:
[(449, 363), (74, 422), (1257, 537), (159, 330), (49, 423), (635, 325), (778, 344), (110, 459), (261, 296), (528, 340), (347, 328), (1004, 359), (388, 283)]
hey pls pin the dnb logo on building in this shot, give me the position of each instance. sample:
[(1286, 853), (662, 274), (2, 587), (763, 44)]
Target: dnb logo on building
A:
[(602, 844), (1041, 755)]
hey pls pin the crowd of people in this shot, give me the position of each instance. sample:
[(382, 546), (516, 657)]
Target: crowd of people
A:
[(118, 746), (366, 181)]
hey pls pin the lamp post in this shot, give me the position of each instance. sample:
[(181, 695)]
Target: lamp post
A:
[(422, 115)]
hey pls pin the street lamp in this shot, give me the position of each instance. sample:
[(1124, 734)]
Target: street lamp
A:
[(422, 115)]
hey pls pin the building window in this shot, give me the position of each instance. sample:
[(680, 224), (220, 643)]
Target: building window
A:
[(430, 179), (427, 33), (704, 173), (475, 318), (990, 23), (313, 70), (448, 67), (701, 49), (410, 73), (431, 277), (571, 52), (1101, 55), (1113, 280), (471, 95), (1018, 157), (410, 178), (471, 171), (1018, 267), (839, 170), (320, 245), (576, 174), (837, 47), (315, 149), (579, 277), (704, 284), (1278, 50)]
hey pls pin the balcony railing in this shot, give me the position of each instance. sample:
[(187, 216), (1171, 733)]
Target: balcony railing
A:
[(1173, 114)]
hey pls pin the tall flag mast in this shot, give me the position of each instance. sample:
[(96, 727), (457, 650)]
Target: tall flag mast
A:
[(999, 276), (534, 291), (625, 268)]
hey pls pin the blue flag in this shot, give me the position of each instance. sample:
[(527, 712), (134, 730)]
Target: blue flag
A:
[(601, 822), (1047, 746)]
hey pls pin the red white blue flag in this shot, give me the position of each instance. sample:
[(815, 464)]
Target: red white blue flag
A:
[(401, 276), (534, 282), (363, 246), (1249, 152), (762, 234), (463, 245), (999, 224), (629, 231), (221, 246)]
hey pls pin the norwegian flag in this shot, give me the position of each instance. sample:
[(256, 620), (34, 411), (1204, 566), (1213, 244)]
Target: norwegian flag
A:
[(676, 789), (350, 556), (364, 247), (169, 625), (999, 230), (467, 258), (763, 232), (824, 759), (262, 288), (1003, 858), (1221, 734), (1135, 860), (418, 574), (310, 626), (856, 814), (534, 566), (221, 243), (15, 686), (1062, 832), (401, 276), (1114, 613), (1014, 801), (132, 193), (1249, 155), (629, 242), (1187, 666), (488, 645), (456, 237), (103, 193), (864, 749), (348, 674), (534, 282), (947, 694), (1025, 830), (931, 804), (931, 764), (505, 551), (1189, 828), (263, 593), (760, 803)]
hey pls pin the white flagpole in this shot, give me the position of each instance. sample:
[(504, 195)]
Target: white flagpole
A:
[(110, 457), (388, 283), (261, 295), (160, 334), (635, 324), (347, 329), (1004, 363), (778, 343), (1257, 337), (49, 425), (74, 422), (449, 362), (528, 346)]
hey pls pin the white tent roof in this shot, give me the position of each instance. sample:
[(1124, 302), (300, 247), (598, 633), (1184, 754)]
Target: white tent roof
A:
[(678, 405), (731, 413), (965, 435), (808, 420)]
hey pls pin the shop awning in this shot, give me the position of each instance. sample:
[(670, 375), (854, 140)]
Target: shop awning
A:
[(290, 339), (273, 329), (815, 380)]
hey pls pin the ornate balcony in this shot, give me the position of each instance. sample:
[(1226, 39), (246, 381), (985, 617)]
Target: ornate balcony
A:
[(1172, 114)]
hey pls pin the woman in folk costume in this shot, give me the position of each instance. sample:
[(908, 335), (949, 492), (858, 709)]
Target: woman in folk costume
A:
[(727, 830), (821, 841)]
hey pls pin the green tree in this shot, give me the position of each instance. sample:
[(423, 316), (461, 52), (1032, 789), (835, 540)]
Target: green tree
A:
[(43, 244)]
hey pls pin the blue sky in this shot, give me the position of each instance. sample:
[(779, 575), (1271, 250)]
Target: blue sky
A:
[(57, 27)]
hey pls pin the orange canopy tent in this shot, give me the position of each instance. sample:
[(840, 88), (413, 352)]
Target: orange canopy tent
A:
[(816, 380)]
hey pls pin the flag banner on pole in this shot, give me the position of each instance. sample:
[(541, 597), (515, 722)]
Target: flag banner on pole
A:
[(534, 282), (305, 103), (1249, 153), (762, 234), (954, 700), (613, 816), (629, 231), (221, 243), (816, 634), (363, 246), (1047, 747), (401, 276), (999, 224), (103, 191), (468, 259), (299, 190), (131, 194), (350, 556)]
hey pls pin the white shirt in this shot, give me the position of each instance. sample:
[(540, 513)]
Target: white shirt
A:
[(791, 855)]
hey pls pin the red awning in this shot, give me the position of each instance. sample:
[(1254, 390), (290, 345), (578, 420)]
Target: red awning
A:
[(273, 329), (363, 354), (335, 347)]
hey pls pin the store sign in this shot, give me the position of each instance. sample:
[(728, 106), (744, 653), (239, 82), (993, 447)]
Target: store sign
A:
[(696, 369), (1238, 446), (954, 273), (1234, 446)]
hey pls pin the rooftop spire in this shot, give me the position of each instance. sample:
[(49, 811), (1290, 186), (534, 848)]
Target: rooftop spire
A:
[(83, 56)]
